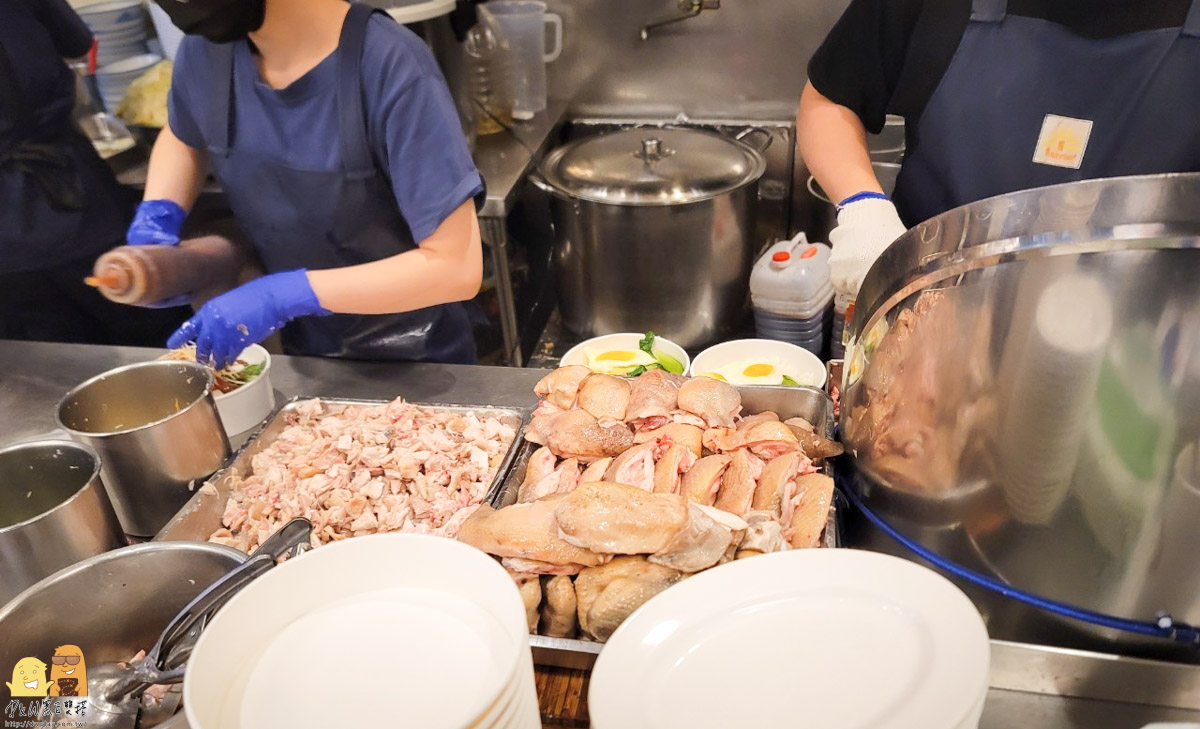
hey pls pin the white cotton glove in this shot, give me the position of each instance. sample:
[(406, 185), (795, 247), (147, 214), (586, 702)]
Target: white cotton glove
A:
[(864, 231)]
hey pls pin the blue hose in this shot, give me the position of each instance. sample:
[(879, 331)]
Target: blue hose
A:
[(1164, 627)]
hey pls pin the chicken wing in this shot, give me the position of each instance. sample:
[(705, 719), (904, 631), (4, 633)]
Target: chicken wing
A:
[(559, 608), (596, 470), (530, 587), (739, 483), (562, 385), (718, 403), (701, 544), (576, 434), (526, 531), (806, 513), (668, 472), (684, 434), (777, 483), (561, 480), (652, 397), (701, 483), (634, 467), (613, 518), (609, 594), (604, 396)]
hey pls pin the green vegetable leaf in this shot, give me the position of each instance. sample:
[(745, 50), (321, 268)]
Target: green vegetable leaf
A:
[(669, 363), (789, 382), (253, 370), (647, 343), (643, 369)]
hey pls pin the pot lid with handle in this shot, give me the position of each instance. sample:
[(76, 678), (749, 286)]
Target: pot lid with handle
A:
[(652, 167)]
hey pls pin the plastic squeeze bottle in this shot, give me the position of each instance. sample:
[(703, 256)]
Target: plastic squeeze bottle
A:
[(145, 275)]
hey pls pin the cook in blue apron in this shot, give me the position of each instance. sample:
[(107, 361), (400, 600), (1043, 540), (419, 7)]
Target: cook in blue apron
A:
[(350, 176), (60, 205), (1023, 102)]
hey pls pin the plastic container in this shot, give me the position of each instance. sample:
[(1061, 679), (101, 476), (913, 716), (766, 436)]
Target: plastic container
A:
[(487, 77), (522, 27), (791, 293)]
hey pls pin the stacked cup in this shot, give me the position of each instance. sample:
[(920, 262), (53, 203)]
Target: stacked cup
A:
[(113, 80), (119, 27), (792, 293), (385, 630)]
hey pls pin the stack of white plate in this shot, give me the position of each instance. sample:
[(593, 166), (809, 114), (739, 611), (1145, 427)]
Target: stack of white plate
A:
[(119, 27), (388, 630), (112, 80), (829, 638)]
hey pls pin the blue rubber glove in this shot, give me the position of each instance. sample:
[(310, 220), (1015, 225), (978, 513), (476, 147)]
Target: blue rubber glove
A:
[(246, 315), (156, 223)]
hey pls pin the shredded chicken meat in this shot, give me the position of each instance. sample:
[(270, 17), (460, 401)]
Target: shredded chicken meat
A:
[(359, 469)]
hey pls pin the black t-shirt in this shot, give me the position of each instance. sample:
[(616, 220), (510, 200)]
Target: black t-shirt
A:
[(887, 56)]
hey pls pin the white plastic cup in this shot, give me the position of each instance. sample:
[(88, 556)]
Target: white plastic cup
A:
[(522, 26)]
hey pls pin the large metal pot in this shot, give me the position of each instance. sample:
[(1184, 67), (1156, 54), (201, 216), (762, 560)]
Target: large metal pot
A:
[(655, 230), (1020, 392), (53, 512), (156, 428), (113, 605)]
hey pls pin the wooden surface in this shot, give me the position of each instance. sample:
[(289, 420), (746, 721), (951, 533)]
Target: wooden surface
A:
[(562, 696)]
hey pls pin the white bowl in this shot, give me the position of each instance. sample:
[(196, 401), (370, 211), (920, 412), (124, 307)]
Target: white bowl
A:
[(376, 573), (112, 14), (246, 406), (837, 638), (627, 340), (131, 67), (800, 364)]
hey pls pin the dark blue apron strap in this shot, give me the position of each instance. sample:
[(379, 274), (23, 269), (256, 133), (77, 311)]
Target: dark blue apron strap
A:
[(988, 11), (357, 160), (220, 115), (1191, 25)]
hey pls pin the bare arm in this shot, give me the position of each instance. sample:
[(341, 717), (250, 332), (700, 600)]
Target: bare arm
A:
[(833, 143), (177, 171), (447, 267)]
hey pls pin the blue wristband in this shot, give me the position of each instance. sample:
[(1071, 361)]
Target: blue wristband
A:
[(861, 196)]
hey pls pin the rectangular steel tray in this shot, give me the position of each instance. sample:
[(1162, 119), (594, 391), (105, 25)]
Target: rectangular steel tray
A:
[(201, 515), (788, 402)]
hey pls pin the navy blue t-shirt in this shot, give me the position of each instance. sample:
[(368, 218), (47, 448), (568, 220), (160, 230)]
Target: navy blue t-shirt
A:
[(412, 124)]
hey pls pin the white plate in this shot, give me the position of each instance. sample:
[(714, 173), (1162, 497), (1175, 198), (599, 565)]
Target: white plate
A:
[(802, 365), (835, 639)]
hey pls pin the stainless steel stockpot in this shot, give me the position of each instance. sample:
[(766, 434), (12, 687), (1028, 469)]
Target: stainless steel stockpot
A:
[(53, 512), (156, 428), (655, 230)]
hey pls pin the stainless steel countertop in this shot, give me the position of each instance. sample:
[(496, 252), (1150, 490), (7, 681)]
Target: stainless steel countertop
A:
[(33, 376), (505, 157)]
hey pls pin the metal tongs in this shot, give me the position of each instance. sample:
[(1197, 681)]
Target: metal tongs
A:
[(117, 694)]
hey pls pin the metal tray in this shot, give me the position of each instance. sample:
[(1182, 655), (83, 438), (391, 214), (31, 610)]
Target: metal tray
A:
[(201, 515), (809, 403)]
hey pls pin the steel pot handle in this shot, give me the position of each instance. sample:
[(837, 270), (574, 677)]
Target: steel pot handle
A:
[(767, 136)]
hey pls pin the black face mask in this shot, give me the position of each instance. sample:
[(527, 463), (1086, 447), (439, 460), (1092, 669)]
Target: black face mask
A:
[(220, 21)]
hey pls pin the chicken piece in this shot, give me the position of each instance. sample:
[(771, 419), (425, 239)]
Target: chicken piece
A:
[(668, 472), (689, 436), (576, 434), (609, 594), (634, 467), (807, 513), (725, 440), (561, 480), (701, 544), (604, 396), (739, 483), (559, 608), (561, 386), (718, 403), (814, 446), (540, 465), (531, 594), (596, 470), (613, 518), (652, 397), (764, 535), (777, 483), (526, 531), (534, 567), (701, 483)]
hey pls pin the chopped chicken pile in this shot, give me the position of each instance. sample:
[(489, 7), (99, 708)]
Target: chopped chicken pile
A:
[(641, 483), (358, 469)]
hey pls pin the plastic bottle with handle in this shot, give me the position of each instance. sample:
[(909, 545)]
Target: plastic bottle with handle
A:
[(792, 293)]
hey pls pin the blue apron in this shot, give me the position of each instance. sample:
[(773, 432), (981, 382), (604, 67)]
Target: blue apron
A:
[(329, 219), (1132, 105)]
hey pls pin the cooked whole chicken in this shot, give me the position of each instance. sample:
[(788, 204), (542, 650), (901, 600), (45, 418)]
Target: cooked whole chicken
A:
[(613, 518), (526, 531)]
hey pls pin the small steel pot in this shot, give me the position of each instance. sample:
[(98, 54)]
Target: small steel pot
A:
[(53, 512), (156, 428), (655, 230)]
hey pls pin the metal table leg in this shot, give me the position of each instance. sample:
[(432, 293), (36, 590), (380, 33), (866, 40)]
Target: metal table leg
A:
[(495, 236)]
